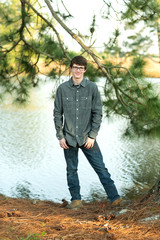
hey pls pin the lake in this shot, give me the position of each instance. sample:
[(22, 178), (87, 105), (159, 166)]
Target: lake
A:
[(32, 164)]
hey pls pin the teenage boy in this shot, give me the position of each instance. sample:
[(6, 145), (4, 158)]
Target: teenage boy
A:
[(77, 117)]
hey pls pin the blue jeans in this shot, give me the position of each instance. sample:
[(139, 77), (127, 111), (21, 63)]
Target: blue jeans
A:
[(95, 158)]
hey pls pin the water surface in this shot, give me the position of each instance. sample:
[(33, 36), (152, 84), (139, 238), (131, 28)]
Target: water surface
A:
[(32, 163)]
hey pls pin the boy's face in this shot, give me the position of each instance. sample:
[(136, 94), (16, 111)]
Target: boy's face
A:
[(77, 71)]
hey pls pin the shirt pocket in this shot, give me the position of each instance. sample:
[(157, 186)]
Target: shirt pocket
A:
[(68, 102), (86, 102)]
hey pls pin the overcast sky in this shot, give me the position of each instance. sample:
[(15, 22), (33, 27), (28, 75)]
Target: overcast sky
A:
[(83, 11)]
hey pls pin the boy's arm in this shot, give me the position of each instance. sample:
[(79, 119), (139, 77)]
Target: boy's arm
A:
[(58, 114), (96, 117)]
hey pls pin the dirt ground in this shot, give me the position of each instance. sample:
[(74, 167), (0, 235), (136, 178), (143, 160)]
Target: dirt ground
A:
[(33, 219)]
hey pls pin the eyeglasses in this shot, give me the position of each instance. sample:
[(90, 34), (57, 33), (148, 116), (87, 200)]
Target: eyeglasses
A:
[(78, 68)]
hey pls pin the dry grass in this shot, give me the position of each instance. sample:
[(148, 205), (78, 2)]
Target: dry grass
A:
[(152, 68), (20, 218)]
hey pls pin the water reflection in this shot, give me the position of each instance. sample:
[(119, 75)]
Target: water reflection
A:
[(141, 164), (22, 190), (32, 163)]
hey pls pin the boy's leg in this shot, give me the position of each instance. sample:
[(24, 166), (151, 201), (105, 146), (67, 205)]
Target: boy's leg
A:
[(71, 156), (95, 158)]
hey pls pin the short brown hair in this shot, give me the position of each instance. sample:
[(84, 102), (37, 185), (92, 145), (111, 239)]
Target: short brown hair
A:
[(79, 60)]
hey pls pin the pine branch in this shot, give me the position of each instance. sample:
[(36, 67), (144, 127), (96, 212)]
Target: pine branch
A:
[(122, 102), (154, 10), (20, 31), (78, 40), (138, 84), (66, 9), (49, 24), (89, 51), (133, 100), (23, 19), (37, 51), (9, 50), (16, 74)]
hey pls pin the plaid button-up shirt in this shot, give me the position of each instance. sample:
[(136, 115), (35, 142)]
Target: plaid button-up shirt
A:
[(77, 111)]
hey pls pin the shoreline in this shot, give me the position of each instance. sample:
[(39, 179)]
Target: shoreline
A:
[(24, 219), (152, 68)]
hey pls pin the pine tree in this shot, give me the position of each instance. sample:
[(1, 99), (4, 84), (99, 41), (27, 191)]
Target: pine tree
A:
[(29, 35), (25, 40), (148, 12)]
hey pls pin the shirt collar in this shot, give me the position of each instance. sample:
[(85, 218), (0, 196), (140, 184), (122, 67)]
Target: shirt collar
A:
[(83, 83)]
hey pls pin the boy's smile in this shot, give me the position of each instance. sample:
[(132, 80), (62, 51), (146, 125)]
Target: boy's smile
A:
[(77, 72)]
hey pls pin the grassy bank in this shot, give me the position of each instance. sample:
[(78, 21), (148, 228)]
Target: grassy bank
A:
[(152, 68)]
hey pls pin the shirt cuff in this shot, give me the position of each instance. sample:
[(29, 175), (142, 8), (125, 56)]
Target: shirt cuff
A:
[(92, 135), (60, 136)]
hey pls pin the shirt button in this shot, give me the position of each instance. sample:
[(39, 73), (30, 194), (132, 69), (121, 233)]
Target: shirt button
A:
[(77, 100), (77, 109), (76, 126)]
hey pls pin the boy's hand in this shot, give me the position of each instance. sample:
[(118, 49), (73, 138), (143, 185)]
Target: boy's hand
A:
[(89, 143), (63, 143)]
